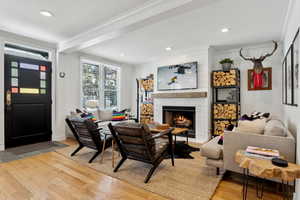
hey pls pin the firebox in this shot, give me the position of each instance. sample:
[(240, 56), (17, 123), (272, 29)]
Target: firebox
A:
[(180, 116)]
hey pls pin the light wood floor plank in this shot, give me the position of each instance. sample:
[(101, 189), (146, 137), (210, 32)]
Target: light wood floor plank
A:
[(53, 176)]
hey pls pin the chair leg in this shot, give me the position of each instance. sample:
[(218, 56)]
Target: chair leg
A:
[(172, 155), (150, 173), (119, 164), (76, 150), (95, 155), (218, 171)]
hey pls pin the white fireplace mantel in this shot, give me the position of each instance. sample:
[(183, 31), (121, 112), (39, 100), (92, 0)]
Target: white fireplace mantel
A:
[(201, 113)]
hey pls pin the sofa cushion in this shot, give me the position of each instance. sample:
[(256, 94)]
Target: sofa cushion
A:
[(105, 115), (275, 128), (212, 149), (256, 126)]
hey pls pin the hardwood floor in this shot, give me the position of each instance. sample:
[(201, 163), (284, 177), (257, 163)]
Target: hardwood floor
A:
[(52, 176)]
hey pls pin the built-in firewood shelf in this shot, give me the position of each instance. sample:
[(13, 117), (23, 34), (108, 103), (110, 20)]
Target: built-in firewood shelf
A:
[(180, 95)]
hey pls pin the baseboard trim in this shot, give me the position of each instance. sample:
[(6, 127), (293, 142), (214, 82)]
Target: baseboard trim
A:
[(60, 138), (2, 147)]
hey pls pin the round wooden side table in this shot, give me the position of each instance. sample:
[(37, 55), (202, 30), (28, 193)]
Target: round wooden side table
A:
[(263, 168)]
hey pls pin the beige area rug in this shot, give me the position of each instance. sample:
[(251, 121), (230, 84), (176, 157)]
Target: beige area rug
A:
[(189, 179)]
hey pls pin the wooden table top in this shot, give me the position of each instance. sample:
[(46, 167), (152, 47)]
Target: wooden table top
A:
[(176, 131), (265, 169)]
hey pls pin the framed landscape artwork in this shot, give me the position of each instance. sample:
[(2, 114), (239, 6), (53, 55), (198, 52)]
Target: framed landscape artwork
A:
[(178, 77), (265, 78), (296, 68)]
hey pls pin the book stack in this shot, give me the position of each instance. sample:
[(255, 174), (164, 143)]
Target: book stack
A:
[(263, 153)]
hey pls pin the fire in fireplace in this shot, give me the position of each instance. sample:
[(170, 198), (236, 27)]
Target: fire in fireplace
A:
[(182, 117)]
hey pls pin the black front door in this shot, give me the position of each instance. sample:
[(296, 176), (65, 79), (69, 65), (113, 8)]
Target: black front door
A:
[(27, 101)]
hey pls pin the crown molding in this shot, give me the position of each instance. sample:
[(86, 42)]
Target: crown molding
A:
[(127, 22)]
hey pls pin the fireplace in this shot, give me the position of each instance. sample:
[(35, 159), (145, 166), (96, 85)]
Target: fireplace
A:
[(180, 116)]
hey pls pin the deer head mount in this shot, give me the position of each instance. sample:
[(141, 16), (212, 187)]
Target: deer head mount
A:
[(258, 66)]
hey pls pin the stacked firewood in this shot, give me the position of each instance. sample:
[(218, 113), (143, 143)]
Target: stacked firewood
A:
[(147, 109), (220, 126), (147, 84), (221, 78), (225, 111), (146, 119)]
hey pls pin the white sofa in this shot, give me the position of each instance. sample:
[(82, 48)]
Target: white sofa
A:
[(274, 136)]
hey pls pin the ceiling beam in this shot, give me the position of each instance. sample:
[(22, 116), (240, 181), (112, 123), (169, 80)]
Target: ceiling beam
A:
[(120, 25)]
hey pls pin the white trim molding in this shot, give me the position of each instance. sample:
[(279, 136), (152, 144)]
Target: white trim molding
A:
[(121, 24), (2, 106), (59, 138)]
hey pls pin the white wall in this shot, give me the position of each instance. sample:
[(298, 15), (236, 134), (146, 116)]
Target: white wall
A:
[(201, 55), (263, 101), (292, 114)]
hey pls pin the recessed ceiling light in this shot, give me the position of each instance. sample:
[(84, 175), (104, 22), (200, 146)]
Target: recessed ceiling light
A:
[(224, 30), (168, 48), (122, 54), (46, 13)]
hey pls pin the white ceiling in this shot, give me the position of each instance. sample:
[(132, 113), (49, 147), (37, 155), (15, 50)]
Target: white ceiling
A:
[(249, 21), (71, 17), (187, 24)]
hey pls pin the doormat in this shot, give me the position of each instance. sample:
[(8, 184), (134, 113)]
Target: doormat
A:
[(17, 153)]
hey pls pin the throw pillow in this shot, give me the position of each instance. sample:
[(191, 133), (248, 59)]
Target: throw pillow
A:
[(105, 115), (275, 128), (256, 126), (118, 116)]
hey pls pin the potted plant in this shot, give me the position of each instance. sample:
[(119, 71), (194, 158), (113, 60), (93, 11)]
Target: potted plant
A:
[(226, 64)]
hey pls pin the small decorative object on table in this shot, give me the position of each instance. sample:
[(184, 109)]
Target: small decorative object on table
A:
[(226, 64)]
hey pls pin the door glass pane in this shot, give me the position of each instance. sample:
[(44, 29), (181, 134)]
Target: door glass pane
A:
[(42, 91), (29, 66), (14, 64), (43, 68), (14, 82), (43, 75), (43, 84), (14, 72), (29, 91), (14, 90)]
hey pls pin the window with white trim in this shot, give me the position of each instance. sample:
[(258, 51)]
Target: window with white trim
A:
[(100, 82)]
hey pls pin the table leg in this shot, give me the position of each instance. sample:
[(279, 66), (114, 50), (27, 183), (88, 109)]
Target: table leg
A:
[(103, 149), (113, 154), (174, 139), (286, 195), (260, 188), (187, 137), (245, 183)]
